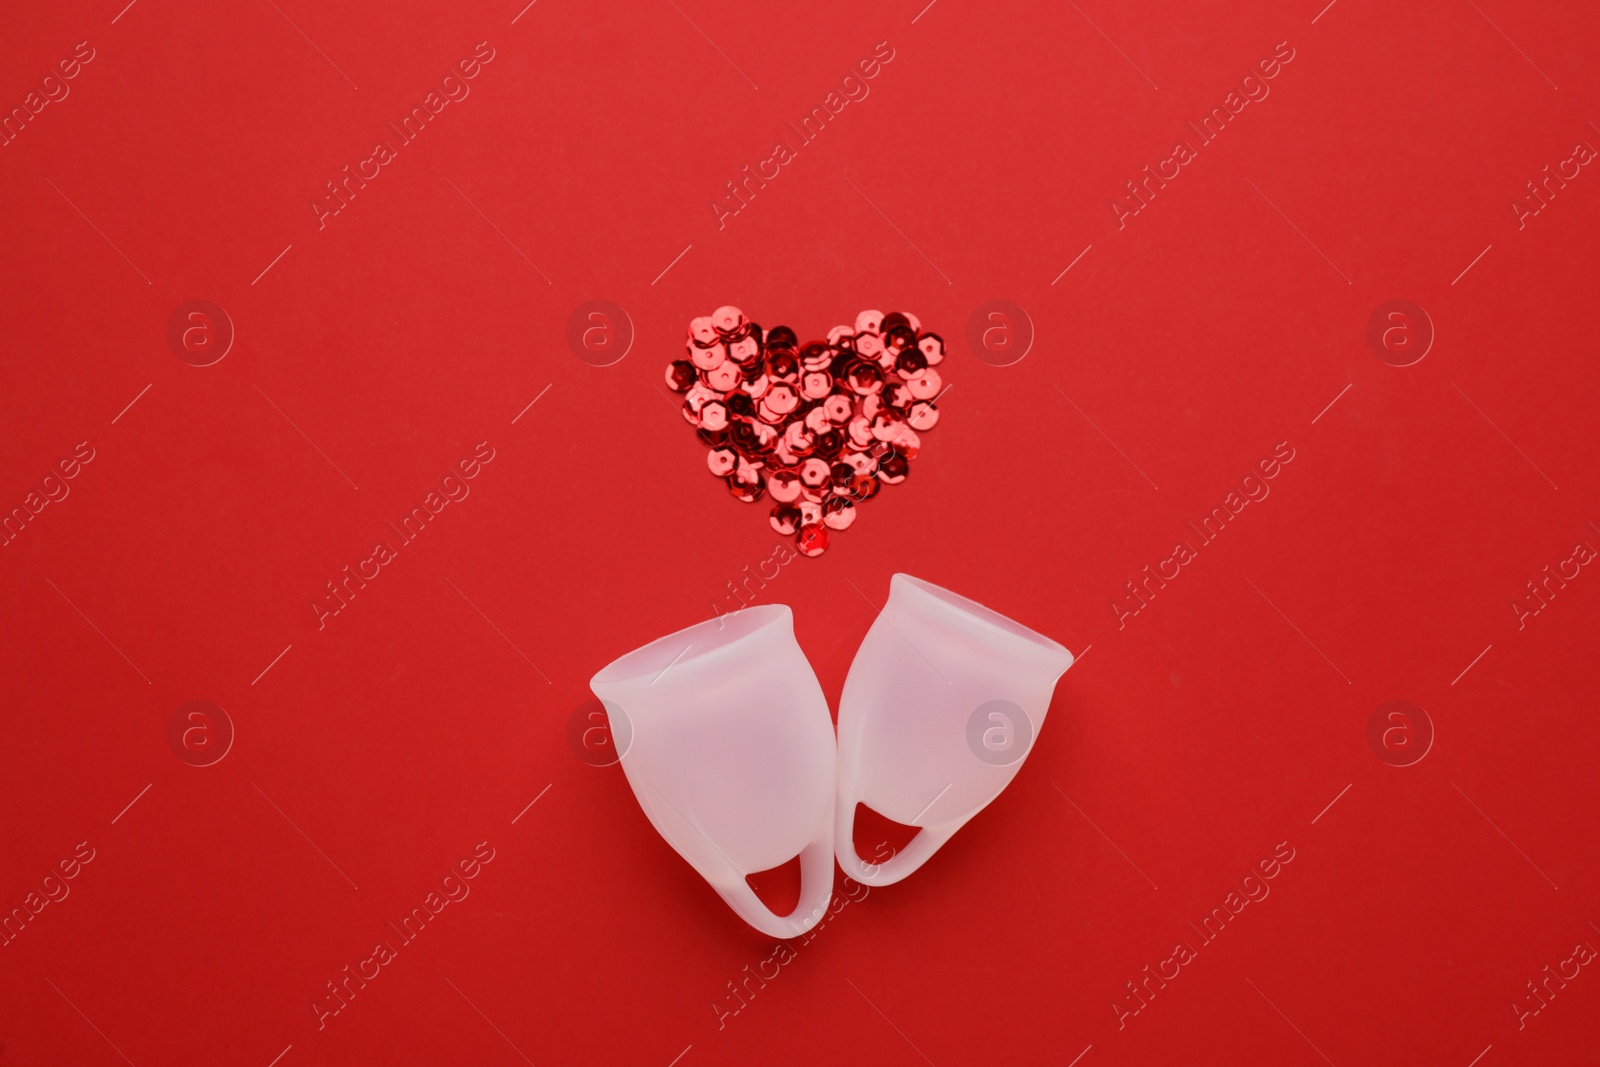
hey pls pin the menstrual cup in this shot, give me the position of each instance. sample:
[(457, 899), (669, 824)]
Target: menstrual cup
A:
[(725, 737), (943, 702)]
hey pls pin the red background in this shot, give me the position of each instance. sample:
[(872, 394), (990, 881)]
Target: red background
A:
[(1218, 722)]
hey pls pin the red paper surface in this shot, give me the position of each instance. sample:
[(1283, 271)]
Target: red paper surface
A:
[(1174, 349)]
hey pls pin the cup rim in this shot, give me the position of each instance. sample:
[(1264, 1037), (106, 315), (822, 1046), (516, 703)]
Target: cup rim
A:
[(703, 639), (967, 606)]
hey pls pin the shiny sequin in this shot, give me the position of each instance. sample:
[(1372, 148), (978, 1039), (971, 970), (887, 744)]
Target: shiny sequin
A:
[(699, 393), (756, 388), (714, 416), (748, 490), (814, 473), (727, 319), (702, 330), (783, 366), (784, 485), (816, 356), (816, 385), (886, 427), (865, 378), (926, 385), (681, 375), (862, 487), (799, 439), (911, 362), (821, 426), (813, 540), (785, 518), (782, 398), (838, 513), (723, 378), (706, 358), (743, 351)]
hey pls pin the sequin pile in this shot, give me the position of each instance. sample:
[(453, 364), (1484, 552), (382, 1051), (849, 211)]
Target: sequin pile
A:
[(819, 427)]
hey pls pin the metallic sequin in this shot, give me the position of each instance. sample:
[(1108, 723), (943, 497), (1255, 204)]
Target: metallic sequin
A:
[(821, 426)]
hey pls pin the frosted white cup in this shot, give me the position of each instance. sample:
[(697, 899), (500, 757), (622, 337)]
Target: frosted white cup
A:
[(725, 737), (943, 702)]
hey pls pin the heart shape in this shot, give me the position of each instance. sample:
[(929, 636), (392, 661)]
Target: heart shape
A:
[(821, 427)]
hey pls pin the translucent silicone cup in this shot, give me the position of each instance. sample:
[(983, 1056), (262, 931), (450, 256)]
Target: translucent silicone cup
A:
[(938, 680), (725, 737)]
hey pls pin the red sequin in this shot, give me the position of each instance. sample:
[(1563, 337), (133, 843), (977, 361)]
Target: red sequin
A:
[(813, 540), (823, 425)]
